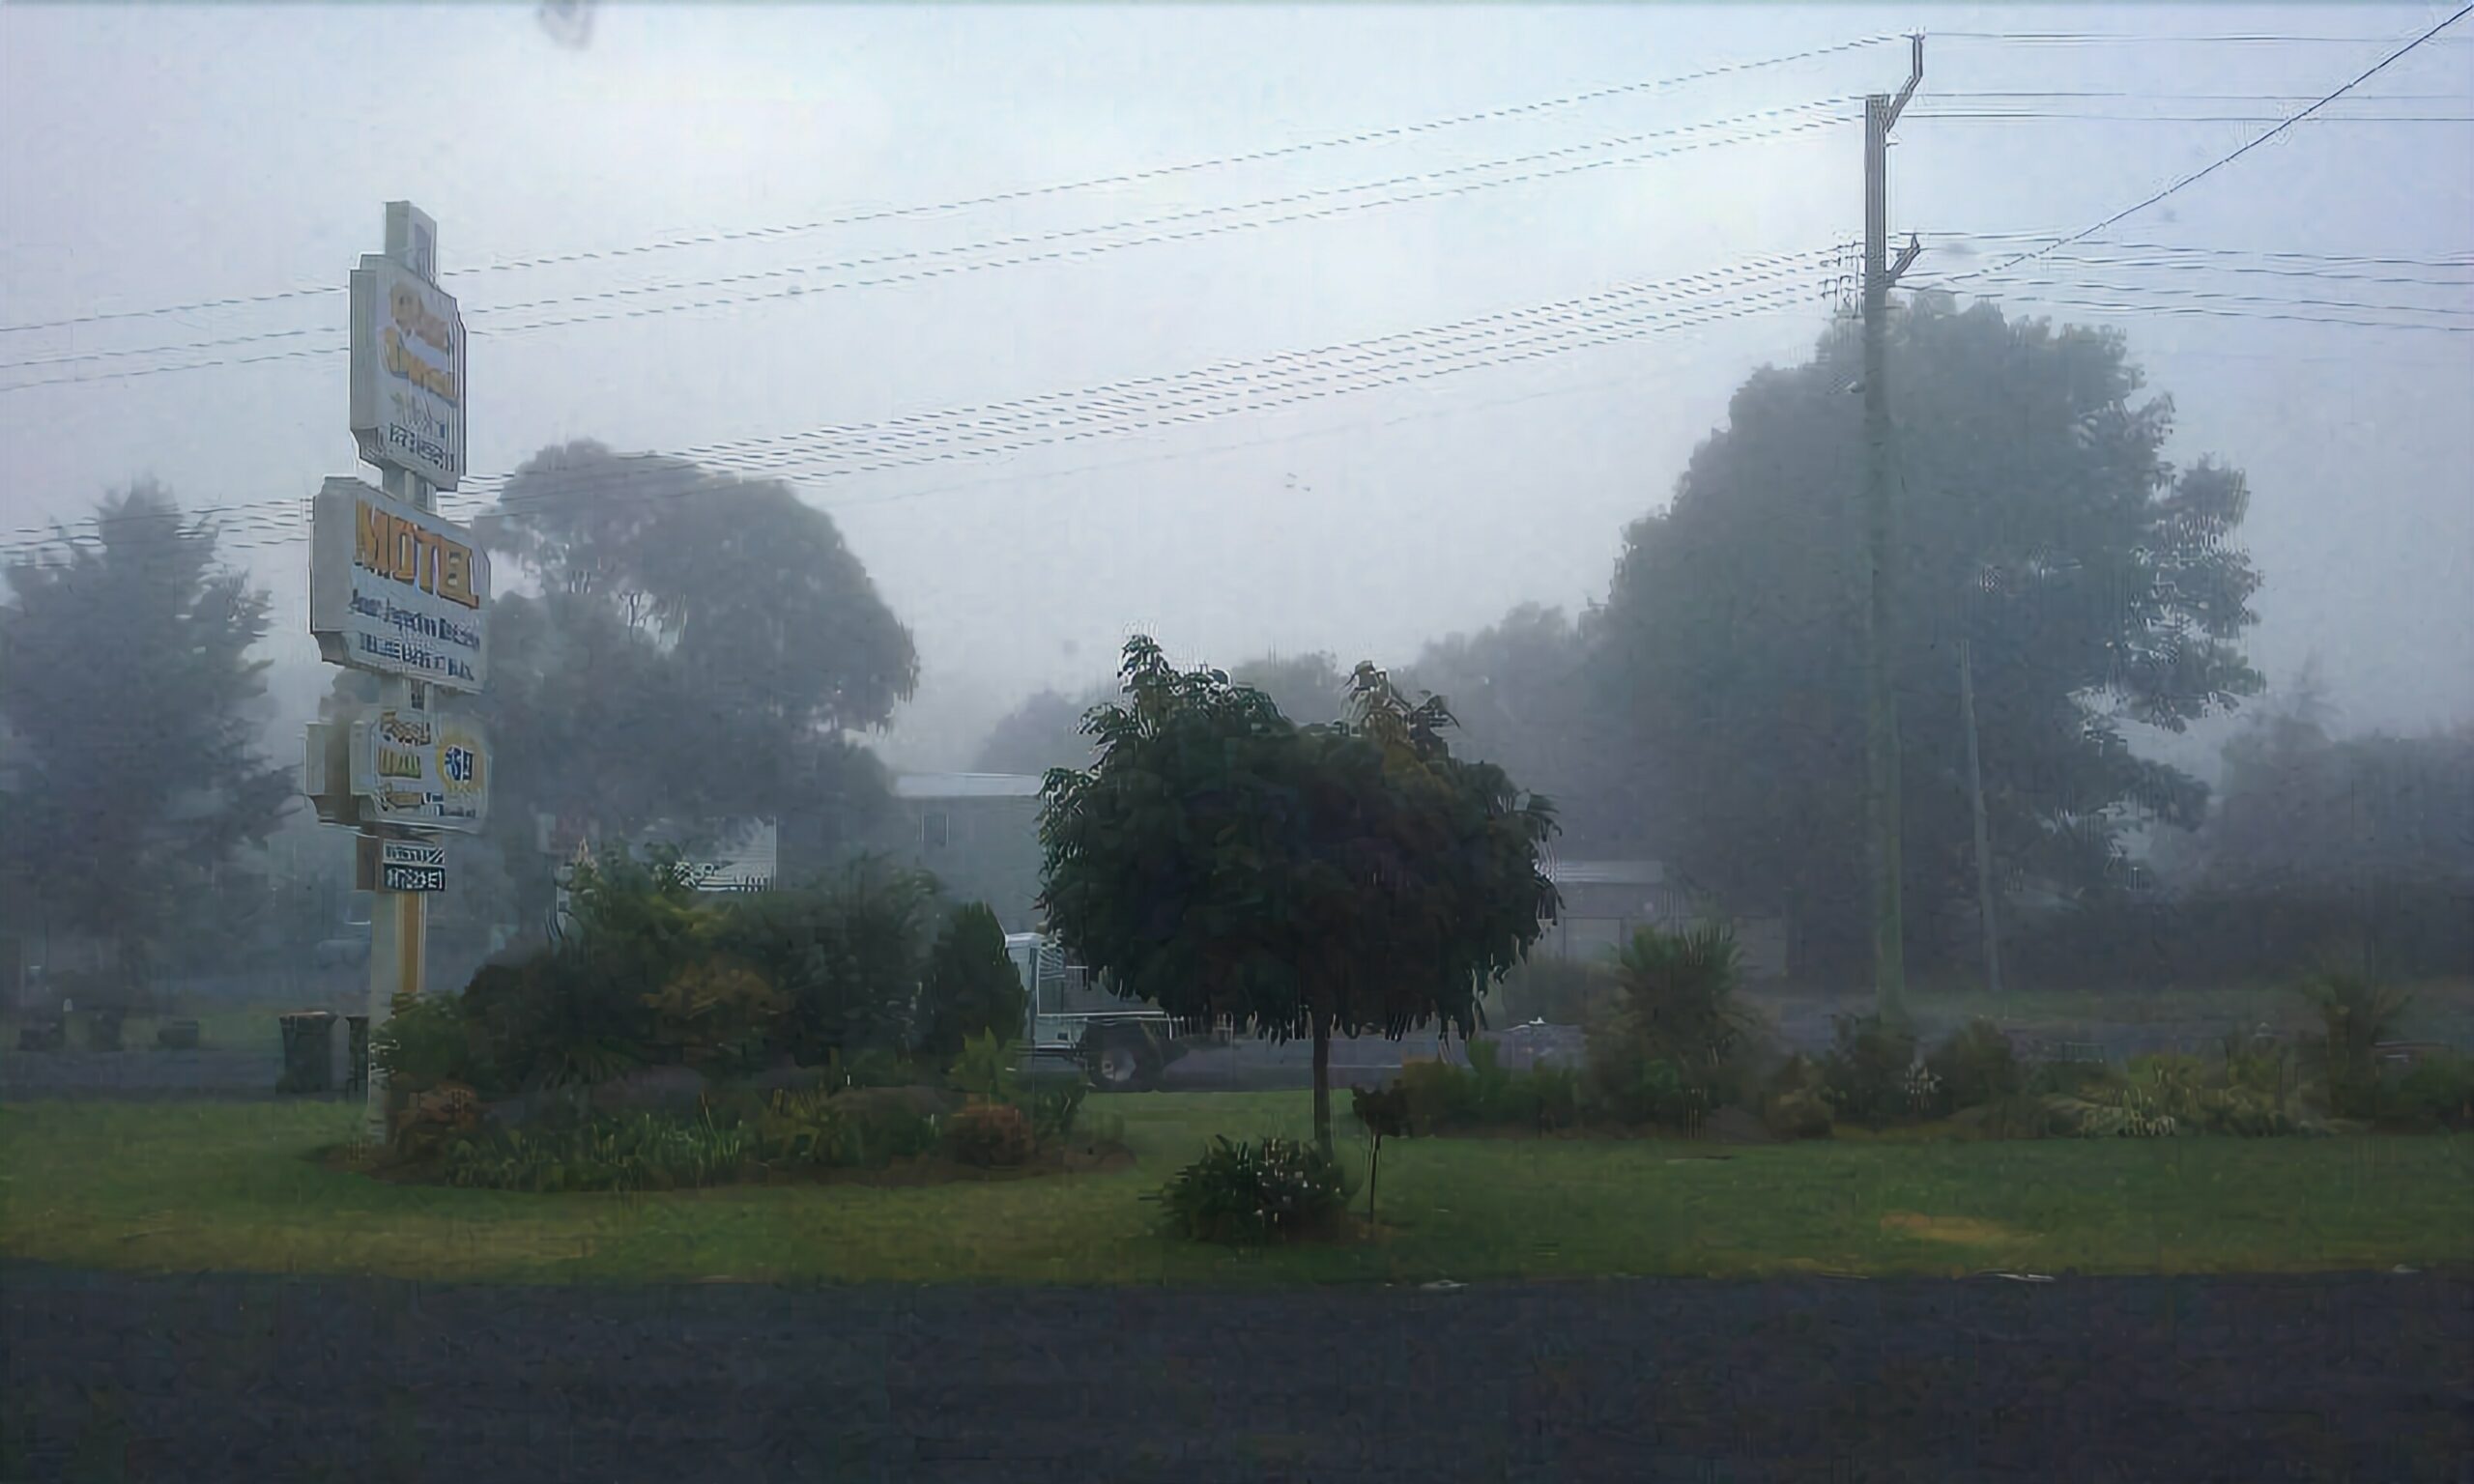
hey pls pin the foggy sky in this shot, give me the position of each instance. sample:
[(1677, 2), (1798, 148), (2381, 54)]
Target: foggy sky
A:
[(152, 156)]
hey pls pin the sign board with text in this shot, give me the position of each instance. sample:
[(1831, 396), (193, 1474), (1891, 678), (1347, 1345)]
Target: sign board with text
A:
[(421, 770), (407, 372), (411, 866), (396, 588)]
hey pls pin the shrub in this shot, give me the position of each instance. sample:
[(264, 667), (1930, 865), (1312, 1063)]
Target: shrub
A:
[(888, 1124), (1054, 1103), (1435, 1094), (2357, 1013), (714, 1014), (422, 1122), (2046, 1079), (1676, 1034), (802, 1127), (642, 1153), (1974, 1065), (1866, 1073), (1269, 1190), (1430, 1093), (2440, 1090), (1656, 1092), (986, 1068), (970, 987), (1798, 1113), (846, 952), (555, 1019), (2127, 1112), (1794, 1103), (1554, 1094), (990, 1135), (428, 1041)]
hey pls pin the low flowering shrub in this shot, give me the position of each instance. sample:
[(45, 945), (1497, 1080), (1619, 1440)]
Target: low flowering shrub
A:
[(1249, 1194), (994, 1135)]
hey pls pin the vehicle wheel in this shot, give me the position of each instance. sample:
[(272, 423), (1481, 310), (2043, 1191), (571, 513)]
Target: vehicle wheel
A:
[(1119, 1064)]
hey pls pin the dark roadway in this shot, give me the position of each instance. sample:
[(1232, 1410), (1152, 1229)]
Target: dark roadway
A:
[(2250, 1380)]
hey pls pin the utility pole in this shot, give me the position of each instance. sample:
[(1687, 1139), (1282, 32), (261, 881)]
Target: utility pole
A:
[(1983, 836), (1880, 698)]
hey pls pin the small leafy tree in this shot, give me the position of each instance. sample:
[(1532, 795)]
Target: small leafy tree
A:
[(972, 987), (1219, 861)]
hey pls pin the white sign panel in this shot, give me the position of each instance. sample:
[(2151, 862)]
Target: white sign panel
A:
[(407, 372), (422, 770), (411, 866), (395, 588)]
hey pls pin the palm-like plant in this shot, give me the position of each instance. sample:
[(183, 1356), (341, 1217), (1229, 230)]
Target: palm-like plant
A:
[(1678, 990), (2358, 1014)]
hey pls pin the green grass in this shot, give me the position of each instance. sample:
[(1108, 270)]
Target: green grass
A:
[(185, 1186)]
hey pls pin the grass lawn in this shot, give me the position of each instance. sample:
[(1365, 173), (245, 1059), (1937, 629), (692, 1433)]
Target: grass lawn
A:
[(187, 1186)]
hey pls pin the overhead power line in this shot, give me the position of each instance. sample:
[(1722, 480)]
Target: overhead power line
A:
[(2179, 294), (2210, 311), (2219, 164), (2130, 39), (1770, 123), (1010, 197), (2048, 115), (2463, 260), (1264, 383), (1800, 119)]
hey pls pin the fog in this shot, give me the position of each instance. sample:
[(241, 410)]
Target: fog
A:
[(173, 157)]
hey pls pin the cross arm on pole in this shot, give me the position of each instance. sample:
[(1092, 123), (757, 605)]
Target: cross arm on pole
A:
[(1914, 76)]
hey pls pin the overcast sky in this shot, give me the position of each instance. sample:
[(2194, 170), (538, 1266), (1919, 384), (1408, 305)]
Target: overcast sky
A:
[(153, 157)]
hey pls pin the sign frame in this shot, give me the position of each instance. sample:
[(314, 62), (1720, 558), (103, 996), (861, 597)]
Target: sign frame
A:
[(409, 385), (421, 770), (397, 589)]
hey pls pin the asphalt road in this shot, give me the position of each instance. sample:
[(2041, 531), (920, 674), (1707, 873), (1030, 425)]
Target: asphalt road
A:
[(2252, 1379)]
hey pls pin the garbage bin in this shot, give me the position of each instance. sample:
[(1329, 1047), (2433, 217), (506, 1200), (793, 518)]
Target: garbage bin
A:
[(356, 1069), (308, 1052)]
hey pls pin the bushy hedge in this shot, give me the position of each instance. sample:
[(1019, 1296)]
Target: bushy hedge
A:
[(655, 973), (1437, 1097)]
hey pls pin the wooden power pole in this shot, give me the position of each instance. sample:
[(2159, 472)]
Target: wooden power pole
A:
[(1881, 547), (1984, 836)]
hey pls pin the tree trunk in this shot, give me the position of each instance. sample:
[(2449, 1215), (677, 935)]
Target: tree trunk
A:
[(1323, 1082)]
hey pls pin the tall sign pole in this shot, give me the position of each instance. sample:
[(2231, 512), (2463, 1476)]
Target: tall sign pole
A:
[(396, 590), (1880, 549)]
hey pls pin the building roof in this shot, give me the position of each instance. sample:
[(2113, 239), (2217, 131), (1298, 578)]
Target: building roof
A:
[(967, 785), (1605, 873)]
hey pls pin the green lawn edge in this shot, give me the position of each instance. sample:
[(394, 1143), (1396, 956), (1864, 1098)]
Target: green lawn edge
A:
[(164, 1186)]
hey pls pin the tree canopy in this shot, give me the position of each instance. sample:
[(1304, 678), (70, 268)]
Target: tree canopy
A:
[(1046, 730), (700, 646), (130, 701), (2304, 814), (1219, 860), (2095, 583)]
